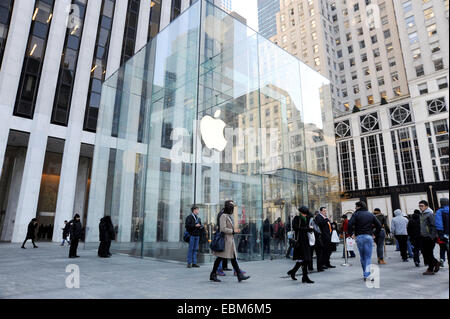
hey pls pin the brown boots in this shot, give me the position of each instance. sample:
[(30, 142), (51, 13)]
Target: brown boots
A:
[(381, 261)]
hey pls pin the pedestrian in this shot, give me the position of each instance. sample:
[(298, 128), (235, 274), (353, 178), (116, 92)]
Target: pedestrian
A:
[(194, 227), (398, 228), (302, 249), (334, 236), (65, 233), (413, 229), (278, 235), (227, 228), (290, 238), (381, 235), (441, 219), (361, 227), (106, 234), (318, 244), (408, 243), (428, 237), (347, 235), (31, 233), (325, 229), (75, 236), (267, 234)]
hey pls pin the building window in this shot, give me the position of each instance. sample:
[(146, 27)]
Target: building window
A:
[(362, 44), (347, 165), (366, 70), (413, 38), (438, 143), (410, 22), (387, 33), (378, 67), (435, 47), (354, 75), (389, 48), (364, 57), (392, 62), (384, 20), (369, 123), (341, 66), (350, 49), (352, 62), (380, 81), (129, 35), (34, 58), (431, 30), (407, 156), (5, 19), (339, 53), (356, 89), (400, 115), (423, 88), (394, 76), (416, 53), (374, 161), (374, 39), (342, 129), (407, 6), (360, 31), (376, 53), (442, 83), (438, 64), (419, 70), (317, 61), (370, 99), (436, 106), (397, 91), (428, 13)]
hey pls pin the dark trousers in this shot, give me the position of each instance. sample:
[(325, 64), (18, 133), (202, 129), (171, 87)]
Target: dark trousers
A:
[(320, 255), (223, 260), (32, 240), (416, 243), (103, 249), (427, 252), (266, 244), (73, 247), (325, 255), (379, 240), (403, 244), (443, 250)]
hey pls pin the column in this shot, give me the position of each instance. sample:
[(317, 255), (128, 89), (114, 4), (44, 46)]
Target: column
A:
[(29, 192), (142, 30), (69, 167), (165, 13)]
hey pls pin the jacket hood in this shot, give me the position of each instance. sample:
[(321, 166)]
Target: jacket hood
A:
[(398, 212), (428, 210)]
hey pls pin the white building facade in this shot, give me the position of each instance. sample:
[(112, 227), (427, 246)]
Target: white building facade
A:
[(54, 56)]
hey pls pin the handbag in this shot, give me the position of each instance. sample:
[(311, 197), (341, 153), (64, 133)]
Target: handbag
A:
[(186, 236), (218, 242), (335, 237), (311, 238)]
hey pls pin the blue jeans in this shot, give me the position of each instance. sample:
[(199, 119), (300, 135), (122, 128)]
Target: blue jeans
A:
[(410, 251), (365, 244), (193, 248)]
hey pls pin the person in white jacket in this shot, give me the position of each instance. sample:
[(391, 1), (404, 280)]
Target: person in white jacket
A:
[(399, 228)]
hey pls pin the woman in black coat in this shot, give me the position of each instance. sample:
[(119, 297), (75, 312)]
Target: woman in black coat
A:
[(107, 234), (302, 250), (30, 233)]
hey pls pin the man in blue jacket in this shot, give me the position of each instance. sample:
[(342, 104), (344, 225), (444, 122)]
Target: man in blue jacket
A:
[(361, 225), (441, 220)]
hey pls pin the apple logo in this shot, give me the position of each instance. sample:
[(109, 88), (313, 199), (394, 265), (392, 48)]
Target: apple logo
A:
[(212, 132)]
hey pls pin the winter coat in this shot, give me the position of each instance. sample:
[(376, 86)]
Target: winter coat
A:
[(325, 228), (106, 230), (267, 229), (441, 220), (76, 230), (363, 222), (226, 227), (66, 231), (31, 230), (382, 219), (427, 224), (302, 250), (413, 227), (399, 223), (190, 225)]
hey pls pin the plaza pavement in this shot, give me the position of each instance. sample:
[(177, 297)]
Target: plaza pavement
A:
[(41, 273)]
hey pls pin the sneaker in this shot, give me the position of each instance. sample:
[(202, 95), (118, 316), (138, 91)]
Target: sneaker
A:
[(220, 273), (442, 263), (189, 265), (195, 266)]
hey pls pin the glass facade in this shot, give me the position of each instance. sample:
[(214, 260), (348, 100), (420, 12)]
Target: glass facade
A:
[(207, 111)]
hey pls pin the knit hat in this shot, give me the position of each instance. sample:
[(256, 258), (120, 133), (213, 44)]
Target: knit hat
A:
[(443, 201), (304, 210), (76, 216)]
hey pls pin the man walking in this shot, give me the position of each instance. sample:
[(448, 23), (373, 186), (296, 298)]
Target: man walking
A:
[(75, 236), (347, 235), (399, 226), (325, 229), (193, 227), (360, 226), (65, 234), (428, 237), (381, 235)]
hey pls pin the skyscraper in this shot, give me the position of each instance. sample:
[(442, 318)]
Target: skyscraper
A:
[(267, 10)]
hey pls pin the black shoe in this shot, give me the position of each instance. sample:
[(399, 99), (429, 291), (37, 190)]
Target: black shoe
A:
[(437, 267), (72, 257), (242, 277), (195, 266), (76, 256), (320, 269), (35, 246), (311, 269), (23, 247), (292, 274), (405, 260), (305, 279), (189, 265), (324, 267), (213, 277), (227, 269), (417, 264), (331, 266)]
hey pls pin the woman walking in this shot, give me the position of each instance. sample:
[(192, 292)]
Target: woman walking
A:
[(107, 234), (302, 250), (226, 227)]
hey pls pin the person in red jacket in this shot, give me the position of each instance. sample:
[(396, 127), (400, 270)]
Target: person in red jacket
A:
[(345, 230)]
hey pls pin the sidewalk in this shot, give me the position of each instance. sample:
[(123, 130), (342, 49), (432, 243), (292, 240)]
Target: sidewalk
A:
[(41, 273)]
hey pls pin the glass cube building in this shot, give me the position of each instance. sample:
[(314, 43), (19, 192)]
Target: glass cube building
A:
[(208, 111)]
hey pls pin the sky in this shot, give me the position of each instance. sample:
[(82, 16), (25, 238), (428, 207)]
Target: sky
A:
[(249, 10)]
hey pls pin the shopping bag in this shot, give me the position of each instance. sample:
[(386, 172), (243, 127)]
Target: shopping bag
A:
[(350, 244), (335, 237)]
